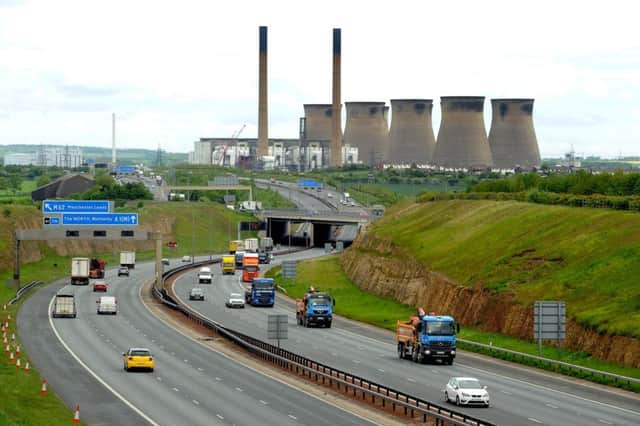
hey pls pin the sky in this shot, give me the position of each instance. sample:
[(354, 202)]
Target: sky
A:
[(176, 71)]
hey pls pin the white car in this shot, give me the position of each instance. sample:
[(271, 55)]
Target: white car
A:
[(186, 258), (466, 391), (235, 300)]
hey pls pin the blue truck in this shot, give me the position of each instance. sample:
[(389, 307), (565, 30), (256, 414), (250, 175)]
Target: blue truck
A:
[(427, 338), (261, 293), (316, 308)]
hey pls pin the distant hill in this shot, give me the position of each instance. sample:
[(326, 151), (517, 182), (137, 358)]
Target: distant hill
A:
[(125, 156)]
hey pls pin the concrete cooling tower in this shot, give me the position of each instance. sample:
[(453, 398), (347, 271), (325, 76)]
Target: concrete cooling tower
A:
[(462, 138), (318, 121), (367, 130), (411, 138), (512, 137)]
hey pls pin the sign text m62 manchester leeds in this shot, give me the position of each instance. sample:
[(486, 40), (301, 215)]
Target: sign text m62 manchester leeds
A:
[(108, 219), (76, 206)]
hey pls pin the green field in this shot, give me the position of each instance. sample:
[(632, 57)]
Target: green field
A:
[(327, 275), (587, 257), (26, 186)]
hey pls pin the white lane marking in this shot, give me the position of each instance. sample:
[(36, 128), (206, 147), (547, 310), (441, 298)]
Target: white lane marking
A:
[(605, 422), (176, 389), (550, 405), (98, 378), (411, 379), (239, 390), (219, 416), (356, 361), (159, 378), (381, 370), (195, 402), (200, 369), (263, 402), (293, 417), (218, 379), (186, 360), (435, 371), (506, 392), (534, 420)]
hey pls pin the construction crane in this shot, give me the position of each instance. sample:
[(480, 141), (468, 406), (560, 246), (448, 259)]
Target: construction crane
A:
[(235, 136)]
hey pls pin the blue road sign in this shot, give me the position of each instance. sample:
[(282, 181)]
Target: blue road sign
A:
[(108, 219), (76, 206), (51, 220)]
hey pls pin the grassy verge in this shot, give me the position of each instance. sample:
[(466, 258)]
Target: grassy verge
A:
[(21, 402), (351, 302)]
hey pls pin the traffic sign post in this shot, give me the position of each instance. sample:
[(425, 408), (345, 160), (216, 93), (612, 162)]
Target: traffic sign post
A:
[(549, 321), (105, 219), (77, 206), (277, 327)]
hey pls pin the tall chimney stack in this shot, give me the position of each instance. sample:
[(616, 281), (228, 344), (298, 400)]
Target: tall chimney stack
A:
[(336, 108), (113, 139), (263, 118)]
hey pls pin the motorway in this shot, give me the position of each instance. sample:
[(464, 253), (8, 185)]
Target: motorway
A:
[(191, 384), (520, 396)]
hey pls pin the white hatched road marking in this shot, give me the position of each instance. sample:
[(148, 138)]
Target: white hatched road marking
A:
[(550, 405), (293, 417), (534, 420), (195, 402), (605, 422), (263, 402), (219, 416), (176, 389)]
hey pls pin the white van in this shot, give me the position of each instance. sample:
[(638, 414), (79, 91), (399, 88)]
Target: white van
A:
[(204, 276), (107, 305)]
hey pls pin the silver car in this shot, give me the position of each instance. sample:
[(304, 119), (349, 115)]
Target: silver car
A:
[(235, 300), (196, 293)]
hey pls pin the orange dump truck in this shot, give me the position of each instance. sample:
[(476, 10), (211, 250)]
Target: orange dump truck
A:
[(251, 267)]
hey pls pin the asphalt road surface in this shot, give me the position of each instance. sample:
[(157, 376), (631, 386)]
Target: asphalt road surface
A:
[(519, 396), (191, 384)]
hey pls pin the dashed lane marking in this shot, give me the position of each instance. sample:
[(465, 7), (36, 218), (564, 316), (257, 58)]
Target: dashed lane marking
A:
[(534, 420)]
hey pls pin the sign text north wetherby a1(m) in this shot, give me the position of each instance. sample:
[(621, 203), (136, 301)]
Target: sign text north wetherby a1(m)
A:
[(76, 206), (103, 219)]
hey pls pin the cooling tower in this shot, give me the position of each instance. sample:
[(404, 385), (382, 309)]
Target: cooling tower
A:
[(263, 118), (385, 114), (462, 138), (336, 122), (411, 138), (366, 129), (512, 137), (318, 121)]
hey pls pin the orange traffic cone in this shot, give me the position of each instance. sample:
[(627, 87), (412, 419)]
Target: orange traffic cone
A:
[(76, 416), (27, 367), (7, 349), (43, 389), (9, 318), (11, 357), (18, 350), (18, 364), (5, 341), (13, 337)]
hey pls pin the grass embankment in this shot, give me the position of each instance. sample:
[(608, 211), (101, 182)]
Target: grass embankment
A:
[(327, 275), (199, 227), (587, 257)]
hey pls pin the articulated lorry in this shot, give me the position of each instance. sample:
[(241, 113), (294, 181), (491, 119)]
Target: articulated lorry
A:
[(80, 271), (266, 244), (316, 308), (96, 268), (427, 337), (64, 304), (228, 265), (128, 259), (261, 293), (250, 267)]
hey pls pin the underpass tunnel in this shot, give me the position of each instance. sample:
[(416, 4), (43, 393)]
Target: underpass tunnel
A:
[(307, 234)]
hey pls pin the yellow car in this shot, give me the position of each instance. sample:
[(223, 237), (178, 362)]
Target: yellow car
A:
[(138, 358)]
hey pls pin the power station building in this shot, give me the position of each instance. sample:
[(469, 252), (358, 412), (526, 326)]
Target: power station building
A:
[(367, 130)]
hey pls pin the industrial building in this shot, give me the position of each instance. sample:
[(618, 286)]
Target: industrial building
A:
[(367, 130), (64, 157)]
